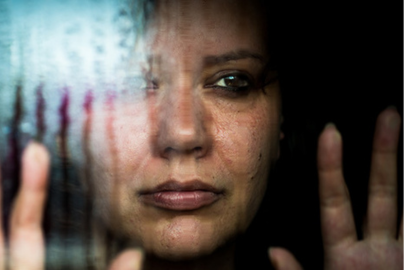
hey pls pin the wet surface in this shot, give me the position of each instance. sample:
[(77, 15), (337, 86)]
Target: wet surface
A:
[(51, 55)]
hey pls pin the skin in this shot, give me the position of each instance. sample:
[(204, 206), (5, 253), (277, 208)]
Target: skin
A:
[(382, 246), (185, 129)]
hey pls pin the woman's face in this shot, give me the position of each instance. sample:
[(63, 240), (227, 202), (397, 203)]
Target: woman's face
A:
[(181, 166)]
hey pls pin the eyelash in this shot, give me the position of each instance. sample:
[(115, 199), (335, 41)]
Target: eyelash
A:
[(144, 83), (154, 85), (243, 78)]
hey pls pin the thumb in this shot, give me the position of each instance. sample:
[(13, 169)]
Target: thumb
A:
[(128, 260), (282, 259)]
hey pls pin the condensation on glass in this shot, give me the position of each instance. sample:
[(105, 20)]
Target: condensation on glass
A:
[(59, 59)]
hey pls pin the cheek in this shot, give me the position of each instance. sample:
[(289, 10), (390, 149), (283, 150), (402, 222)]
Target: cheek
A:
[(120, 134), (117, 145), (247, 144)]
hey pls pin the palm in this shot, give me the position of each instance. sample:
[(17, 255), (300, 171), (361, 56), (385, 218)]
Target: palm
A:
[(380, 248), (366, 255)]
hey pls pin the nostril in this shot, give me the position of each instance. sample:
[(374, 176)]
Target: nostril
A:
[(168, 151), (199, 152)]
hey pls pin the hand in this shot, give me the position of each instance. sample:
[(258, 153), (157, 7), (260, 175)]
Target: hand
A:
[(382, 246), (26, 242)]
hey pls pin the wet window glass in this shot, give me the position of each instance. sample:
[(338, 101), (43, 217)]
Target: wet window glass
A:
[(196, 134)]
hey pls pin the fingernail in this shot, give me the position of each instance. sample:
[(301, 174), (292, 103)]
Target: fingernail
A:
[(36, 152), (330, 125), (336, 134), (31, 150), (393, 121)]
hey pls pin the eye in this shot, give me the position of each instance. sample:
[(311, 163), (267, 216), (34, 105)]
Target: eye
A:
[(149, 85), (233, 82), (143, 83)]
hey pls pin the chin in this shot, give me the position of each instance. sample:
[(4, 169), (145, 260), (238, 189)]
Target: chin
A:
[(184, 238)]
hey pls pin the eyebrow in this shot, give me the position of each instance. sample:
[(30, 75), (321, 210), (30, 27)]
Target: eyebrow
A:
[(232, 56)]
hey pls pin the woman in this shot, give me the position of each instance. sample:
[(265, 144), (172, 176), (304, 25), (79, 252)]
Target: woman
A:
[(180, 167)]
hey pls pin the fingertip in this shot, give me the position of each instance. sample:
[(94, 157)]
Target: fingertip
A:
[(390, 110), (35, 161), (390, 117), (331, 128), (387, 130), (330, 125), (329, 147), (283, 259), (128, 260), (272, 257), (37, 153), (330, 134), (137, 255)]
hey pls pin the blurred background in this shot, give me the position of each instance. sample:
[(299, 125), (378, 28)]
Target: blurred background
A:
[(57, 60)]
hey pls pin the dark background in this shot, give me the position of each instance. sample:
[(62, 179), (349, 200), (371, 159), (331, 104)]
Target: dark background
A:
[(342, 63)]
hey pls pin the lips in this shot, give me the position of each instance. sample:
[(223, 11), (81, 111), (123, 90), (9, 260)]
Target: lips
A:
[(177, 196)]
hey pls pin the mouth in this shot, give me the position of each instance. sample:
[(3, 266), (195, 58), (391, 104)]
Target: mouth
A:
[(178, 196)]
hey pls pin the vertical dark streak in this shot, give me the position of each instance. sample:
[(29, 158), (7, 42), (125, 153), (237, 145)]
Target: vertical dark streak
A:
[(88, 109), (63, 154), (41, 129), (11, 168), (40, 109)]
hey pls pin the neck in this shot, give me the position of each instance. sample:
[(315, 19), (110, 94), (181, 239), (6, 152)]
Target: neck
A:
[(222, 259)]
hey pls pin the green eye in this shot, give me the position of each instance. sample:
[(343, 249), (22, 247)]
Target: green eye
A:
[(233, 83)]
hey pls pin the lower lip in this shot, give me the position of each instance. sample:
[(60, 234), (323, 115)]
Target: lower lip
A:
[(180, 200)]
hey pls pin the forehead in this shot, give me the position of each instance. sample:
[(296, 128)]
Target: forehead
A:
[(206, 27)]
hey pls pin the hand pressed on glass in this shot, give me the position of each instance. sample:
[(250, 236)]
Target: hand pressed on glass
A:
[(25, 249), (182, 168), (382, 246)]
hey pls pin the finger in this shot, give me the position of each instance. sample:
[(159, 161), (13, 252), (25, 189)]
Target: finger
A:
[(26, 238), (382, 201), (2, 249), (337, 221), (128, 260), (282, 259)]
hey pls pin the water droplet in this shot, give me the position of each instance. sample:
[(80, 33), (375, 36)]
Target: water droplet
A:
[(26, 127), (5, 130)]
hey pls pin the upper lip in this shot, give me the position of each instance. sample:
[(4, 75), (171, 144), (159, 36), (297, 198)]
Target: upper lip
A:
[(173, 185)]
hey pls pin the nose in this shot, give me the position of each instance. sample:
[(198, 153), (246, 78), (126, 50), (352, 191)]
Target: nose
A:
[(181, 125)]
